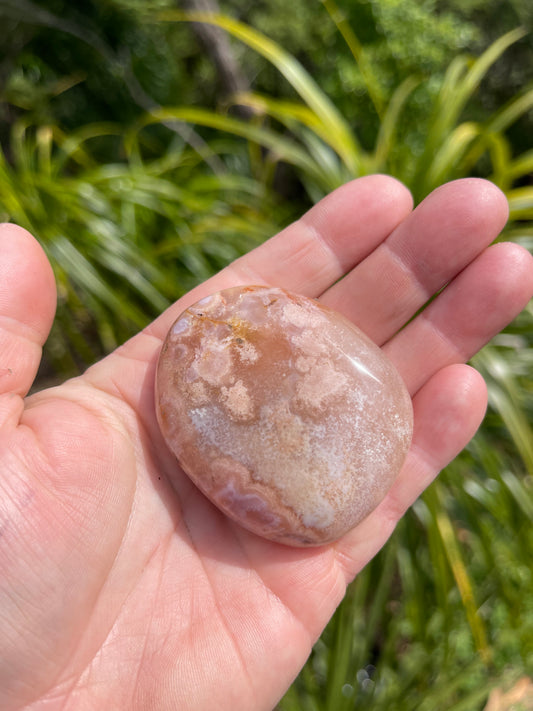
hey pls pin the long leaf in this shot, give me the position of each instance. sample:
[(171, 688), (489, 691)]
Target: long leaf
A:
[(359, 54), (290, 113), (471, 81), (521, 203), (389, 123), (461, 81), (506, 397), (521, 166), (291, 69), (452, 149), (511, 112), (463, 581), (282, 148)]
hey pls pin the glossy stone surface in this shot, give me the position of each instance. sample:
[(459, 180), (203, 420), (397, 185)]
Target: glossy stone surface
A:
[(282, 412)]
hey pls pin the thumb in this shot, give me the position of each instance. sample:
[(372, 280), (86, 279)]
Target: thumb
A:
[(27, 307)]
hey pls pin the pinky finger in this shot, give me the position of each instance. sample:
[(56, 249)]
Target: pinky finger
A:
[(448, 410)]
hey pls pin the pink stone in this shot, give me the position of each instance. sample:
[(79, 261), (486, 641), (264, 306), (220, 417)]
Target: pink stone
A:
[(282, 412)]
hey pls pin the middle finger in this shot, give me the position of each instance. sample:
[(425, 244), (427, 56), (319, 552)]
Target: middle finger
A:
[(433, 244)]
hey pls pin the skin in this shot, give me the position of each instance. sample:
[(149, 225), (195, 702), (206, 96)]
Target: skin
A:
[(121, 587)]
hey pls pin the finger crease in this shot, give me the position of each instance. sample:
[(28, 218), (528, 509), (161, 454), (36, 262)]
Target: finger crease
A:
[(20, 330), (456, 355), (241, 269), (323, 244), (414, 279)]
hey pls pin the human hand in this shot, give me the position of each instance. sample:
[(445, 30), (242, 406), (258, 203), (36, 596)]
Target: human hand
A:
[(121, 586)]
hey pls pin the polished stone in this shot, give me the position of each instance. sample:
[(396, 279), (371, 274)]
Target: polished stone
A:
[(282, 412)]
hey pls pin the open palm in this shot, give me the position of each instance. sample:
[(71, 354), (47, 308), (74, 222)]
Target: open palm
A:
[(121, 586)]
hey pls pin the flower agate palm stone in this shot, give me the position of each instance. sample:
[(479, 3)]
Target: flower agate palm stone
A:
[(285, 415)]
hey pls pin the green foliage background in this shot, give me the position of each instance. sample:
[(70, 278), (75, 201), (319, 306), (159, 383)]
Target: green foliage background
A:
[(141, 177)]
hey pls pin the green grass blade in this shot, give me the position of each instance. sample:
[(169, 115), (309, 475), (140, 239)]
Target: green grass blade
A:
[(520, 203), (446, 103), (505, 396), (521, 166), (444, 695), (499, 149), (438, 127), (461, 81), (389, 124), (290, 68), (341, 657), (358, 53), (44, 145), (96, 291), (452, 150), (478, 69), (511, 112), (72, 145), (292, 114), (281, 148), (464, 584), (333, 171), (520, 493)]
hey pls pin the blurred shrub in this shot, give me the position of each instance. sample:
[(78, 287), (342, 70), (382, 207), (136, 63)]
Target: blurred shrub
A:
[(125, 238), (311, 134)]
